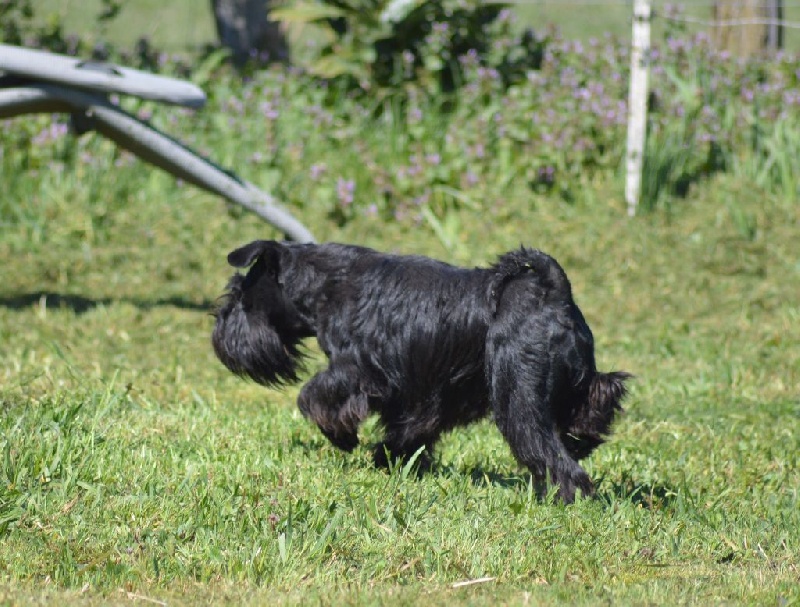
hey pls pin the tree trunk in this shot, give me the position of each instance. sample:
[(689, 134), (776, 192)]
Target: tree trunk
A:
[(746, 40), (243, 26)]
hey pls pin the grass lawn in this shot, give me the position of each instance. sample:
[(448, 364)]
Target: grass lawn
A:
[(134, 465)]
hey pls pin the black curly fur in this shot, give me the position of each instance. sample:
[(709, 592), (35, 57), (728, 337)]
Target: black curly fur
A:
[(427, 346)]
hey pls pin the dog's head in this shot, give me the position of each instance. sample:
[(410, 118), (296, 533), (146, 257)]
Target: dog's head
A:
[(258, 329)]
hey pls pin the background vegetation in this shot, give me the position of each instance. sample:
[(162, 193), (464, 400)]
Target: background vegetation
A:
[(133, 466), (178, 25)]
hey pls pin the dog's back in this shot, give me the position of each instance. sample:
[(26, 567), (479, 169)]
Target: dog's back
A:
[(537, 266), (412, 316)]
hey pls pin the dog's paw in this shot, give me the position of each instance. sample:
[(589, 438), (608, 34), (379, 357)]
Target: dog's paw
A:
[(568, 488)]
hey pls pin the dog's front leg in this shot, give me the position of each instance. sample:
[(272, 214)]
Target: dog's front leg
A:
[(334, 401), (405, 434)]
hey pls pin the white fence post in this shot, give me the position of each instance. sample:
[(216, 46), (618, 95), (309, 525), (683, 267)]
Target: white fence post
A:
[(637, 103)]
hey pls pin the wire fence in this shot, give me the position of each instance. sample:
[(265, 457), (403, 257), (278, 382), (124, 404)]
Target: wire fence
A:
[(734, 22), (760, 28), (711, 16)]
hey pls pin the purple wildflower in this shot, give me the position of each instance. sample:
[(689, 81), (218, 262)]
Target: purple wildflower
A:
[(269, 111), (317, 171), (52, 132), (345, 189)]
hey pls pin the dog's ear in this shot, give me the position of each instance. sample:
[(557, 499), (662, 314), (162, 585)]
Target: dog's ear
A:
[(246, 255)]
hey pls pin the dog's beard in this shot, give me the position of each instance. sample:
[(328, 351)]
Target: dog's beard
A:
[(248, 341)]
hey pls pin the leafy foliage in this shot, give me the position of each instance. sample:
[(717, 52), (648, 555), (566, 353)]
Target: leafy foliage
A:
[(382, 45)]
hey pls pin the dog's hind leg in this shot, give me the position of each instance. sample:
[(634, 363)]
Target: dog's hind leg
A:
[(333, 399), (536, 444), (522, 388)]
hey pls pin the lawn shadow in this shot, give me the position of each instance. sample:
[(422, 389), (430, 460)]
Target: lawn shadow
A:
[(481, 476), (652, 496), (485, 477), (80, 304)]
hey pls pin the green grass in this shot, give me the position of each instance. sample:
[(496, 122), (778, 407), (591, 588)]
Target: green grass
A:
[(132, 464)]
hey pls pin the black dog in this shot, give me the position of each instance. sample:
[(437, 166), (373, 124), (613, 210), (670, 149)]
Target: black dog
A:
[(427, 346)]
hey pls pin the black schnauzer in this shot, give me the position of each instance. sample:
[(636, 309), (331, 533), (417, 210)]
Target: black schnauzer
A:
[(427, 346)]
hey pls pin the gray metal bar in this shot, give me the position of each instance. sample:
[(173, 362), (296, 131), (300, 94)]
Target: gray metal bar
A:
[(97, 76)]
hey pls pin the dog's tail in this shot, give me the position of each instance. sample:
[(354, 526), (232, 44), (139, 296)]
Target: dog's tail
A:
[(606, 393), (591, 420), (548, 272)]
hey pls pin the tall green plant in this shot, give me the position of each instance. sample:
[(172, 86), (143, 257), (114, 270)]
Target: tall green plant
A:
[(772, 161), (383, 45), (676, 154)]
